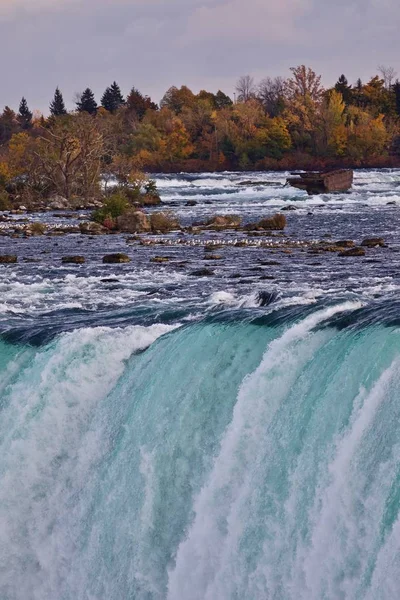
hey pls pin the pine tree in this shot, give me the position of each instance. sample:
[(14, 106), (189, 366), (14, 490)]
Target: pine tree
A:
[(342, 87), (24, 116), (112, 98), (57, 106), (87, 102), (396, 91)]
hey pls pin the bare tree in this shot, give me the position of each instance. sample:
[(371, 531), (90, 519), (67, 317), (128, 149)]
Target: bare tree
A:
[(245, 88), (304, 82), (388, 75), (271, 93)]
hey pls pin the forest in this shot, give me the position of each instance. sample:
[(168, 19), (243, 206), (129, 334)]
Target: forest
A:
[(277, 123)]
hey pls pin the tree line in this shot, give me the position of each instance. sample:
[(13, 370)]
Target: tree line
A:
[(277, 123)]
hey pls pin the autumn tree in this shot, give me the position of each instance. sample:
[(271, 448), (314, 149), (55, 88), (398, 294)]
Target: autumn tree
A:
[(271, 93), (304, 83), (176, 99), (24, 116), (87, 102), (69, 152), (332, 125), (245, 88), (388, 75), (112, 98), (139, 104), (57, 106)]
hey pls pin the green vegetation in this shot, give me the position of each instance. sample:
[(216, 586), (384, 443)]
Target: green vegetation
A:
[(278, 123)]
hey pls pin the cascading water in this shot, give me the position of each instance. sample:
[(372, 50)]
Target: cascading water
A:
[(230, 437), (228, 460)]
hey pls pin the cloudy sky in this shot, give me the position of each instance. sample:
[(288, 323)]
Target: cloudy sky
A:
[(153, 44)]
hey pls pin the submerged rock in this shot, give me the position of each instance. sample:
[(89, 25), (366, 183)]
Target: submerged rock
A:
[(116, 258), (202, 273), (6, 259), (265, 298), (74, 260), (159, 259), (357, 251)]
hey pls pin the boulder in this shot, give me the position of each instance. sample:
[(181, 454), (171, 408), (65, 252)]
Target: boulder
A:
[(112, 259), (149, 200), (357, 251), (92, 228), (224, 221), (6, 259), (191, 203), (344, 244), (373, 242), (58, 203), (278, 222), (134, 221), (73, 260)]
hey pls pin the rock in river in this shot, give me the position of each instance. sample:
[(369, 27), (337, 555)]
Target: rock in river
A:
[(111, 259), (6, 259), (73, 260)]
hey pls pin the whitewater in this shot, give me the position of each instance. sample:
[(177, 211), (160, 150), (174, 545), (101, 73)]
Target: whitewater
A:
[(165, 436)]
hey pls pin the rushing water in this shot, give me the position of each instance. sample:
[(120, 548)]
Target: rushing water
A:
[(166, 437)]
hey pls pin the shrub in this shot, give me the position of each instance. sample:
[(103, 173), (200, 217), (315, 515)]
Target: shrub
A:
[(37, 228), (163, 221), (114, 206), (5, 203)]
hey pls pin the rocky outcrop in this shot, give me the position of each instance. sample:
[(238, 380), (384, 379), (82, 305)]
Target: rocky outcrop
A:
[(134, 221), (112, 259), (73, 260)]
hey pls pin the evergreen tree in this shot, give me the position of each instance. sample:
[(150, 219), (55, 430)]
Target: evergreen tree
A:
[(57, 106), (222, 100), (112, 98), (342, 87), (87, 102), (396, 92), (24, 116), (8, 124)]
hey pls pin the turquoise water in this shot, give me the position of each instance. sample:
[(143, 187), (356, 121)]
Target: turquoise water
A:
[(221, 459)]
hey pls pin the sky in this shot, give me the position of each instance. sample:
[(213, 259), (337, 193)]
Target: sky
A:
[(205, 44)]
